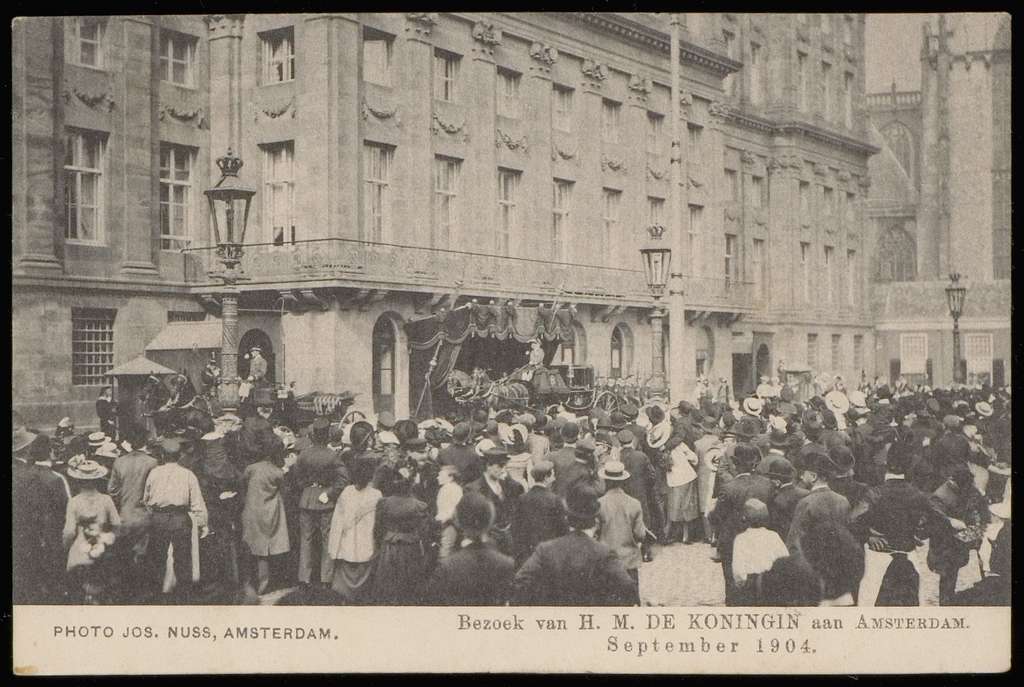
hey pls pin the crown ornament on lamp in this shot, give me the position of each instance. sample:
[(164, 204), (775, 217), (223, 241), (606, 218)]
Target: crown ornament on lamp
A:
[(228, 199)]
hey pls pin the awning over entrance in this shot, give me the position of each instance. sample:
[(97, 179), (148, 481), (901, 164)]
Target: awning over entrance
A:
[(140, 367), (186, 336), (438, 339)]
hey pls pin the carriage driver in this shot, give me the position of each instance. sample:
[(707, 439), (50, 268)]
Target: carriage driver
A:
[(536, 361)]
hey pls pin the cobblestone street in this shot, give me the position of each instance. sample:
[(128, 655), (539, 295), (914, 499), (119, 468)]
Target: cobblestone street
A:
[(685, 575)]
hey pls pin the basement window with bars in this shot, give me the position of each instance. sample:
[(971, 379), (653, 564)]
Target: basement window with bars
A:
[(92, 346)]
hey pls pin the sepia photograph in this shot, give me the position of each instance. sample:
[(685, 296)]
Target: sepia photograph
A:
[(481, 314)]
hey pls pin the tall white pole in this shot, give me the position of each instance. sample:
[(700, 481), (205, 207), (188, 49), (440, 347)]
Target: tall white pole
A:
[(676, 306)]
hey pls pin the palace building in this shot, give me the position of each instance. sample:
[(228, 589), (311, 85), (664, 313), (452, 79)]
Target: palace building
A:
[(443, 187)]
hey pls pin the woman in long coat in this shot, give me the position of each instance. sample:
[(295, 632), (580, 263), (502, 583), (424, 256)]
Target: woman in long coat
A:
[(402, 523), (351, 542), (264, 523)]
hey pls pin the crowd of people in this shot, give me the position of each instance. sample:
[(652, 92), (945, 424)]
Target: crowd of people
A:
[(822, 502)]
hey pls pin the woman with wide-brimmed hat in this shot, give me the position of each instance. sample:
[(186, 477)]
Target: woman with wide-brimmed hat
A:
[(90, 524)]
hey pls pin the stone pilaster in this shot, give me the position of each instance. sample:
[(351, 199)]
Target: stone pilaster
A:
[(479, 93), (593, 77), (546, 152), (37, 172), (413, 164)]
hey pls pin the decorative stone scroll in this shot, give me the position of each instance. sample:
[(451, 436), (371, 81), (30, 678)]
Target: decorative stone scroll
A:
[(786, 162), (559, 153), (641, 85), (748, 158), (484, 32), (594, 70), (93, 101), (656, 174), (421, 23), (516, 145), (818, 169), (615, 164), (439, 125), (720, 111), (380, 113), (543, 53), (195, 116), (274, 111)]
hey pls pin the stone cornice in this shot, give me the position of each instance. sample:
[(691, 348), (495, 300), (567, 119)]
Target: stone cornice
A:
[(652, 38), (828, 137)]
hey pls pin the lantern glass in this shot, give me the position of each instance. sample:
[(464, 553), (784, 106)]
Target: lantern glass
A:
[(955, 296), (656, 267)]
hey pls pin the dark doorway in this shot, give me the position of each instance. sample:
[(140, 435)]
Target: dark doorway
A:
[(742, 368), (256, 337), (384, 366), (764, 363)]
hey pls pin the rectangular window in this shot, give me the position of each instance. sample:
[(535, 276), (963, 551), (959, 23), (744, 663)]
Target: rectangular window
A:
[(446, 75), (92, 346), (446, 195), (758, 192), (655, 133), (278, 192), (562, 113), (85, 46), (757, 263), (612, 199), (978, 354), (850, 211), (828, 201), (377, 57), (812, 352), (913, 354), (655, 211), (756, 81), (175, 196), (729, 82), (696, 228), (84, 154), (377, 159), (177, 58), (732, 272), (805, 202), (695, 138), (732, 186), (858, 352), (837, 348), (560, 227), (852, 272), (805, 270), (278, 55), (829, 276), (826, 90), (610, 111), (801, 83), (848, 100), (508, 93), (508, 195)]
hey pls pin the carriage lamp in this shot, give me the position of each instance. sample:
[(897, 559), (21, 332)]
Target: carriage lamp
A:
[(229, 201), (955, 294)]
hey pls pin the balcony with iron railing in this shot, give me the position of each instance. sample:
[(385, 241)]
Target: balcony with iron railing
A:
[(341, 262)]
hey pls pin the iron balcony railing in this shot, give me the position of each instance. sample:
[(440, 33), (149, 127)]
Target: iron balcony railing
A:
[(380, 265)]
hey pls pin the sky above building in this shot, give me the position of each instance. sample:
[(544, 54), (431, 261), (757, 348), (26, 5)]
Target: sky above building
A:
[(892, 51)]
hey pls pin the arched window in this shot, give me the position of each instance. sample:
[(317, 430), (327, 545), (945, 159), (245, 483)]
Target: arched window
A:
[(621, 361), (901, 142), (384, 365), (256, 337), (897, 255)]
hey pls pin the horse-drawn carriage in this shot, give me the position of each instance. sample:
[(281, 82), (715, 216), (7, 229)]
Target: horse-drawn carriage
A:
[(575, 387)]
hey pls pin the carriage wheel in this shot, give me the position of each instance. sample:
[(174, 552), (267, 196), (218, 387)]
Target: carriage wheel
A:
[(351, 417), (607, 401)]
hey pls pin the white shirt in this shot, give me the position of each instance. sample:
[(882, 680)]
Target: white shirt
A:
[(448, 497), (754, 551)]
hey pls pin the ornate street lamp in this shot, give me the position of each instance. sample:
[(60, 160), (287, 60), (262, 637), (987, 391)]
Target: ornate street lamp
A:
[(229, 201), (657, 260), (955, 299)]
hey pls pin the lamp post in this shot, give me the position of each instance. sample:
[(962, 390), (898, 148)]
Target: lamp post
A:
[(228, 199), (657, 260), (955, 299)]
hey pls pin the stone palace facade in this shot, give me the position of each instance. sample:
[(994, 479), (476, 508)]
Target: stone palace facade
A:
[(412, 162)]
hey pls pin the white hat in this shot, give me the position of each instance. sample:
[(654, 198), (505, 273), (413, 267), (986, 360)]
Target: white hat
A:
[(857, 399), (97, 439), (752, 405), (388, 437), (107, 450), (837, 402), (65, 422), (483, 445)]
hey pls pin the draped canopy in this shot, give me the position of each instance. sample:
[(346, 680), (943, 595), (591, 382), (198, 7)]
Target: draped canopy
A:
[(436, 341)]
